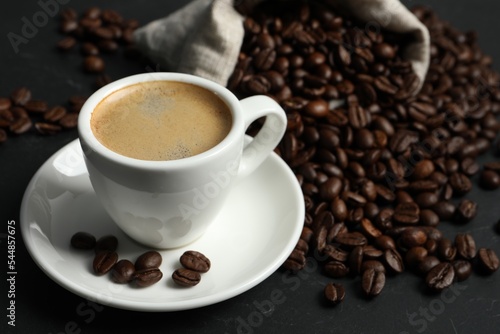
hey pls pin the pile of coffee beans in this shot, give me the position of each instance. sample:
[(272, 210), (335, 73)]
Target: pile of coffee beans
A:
[(95, 32), (381, 169), (145, 271)]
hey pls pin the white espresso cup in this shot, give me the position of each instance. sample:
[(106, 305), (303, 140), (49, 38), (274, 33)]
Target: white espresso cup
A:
[(167, 204)]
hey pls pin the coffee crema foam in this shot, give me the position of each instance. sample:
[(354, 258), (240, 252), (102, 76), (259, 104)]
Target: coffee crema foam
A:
[(161, 120)]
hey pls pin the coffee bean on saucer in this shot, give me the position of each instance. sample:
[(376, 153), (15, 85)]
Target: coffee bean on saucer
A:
[(104, 262), (123, 272), (148, 260), (195, 261), (83, 240), (147, 277), (334, 293), (106, 243), (186, 277)]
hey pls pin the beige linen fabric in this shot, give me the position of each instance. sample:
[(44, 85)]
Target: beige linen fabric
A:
[(204, 37)]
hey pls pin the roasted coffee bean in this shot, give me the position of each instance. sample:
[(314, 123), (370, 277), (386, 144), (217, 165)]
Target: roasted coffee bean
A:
[(372, 264), (407, 213), (5, 103), (104, 262), (466, 211), (123, 272), (317, 108), (147, 277), (186, 277), (195, 261), (356, 260), (446, 250), (463, 270), (429, 218), (148, 260), (336, 269), (351, 239), (89, 49), (66, 44), (393, 261), (20, 125), (385, 242), (296, 261), (488, 261), (444, 209), (47, 128), (83, 240), (69, 120), (106, 243), (426, 199), (415, 255), (20, 96), (460, 183), (440, 277), (423, 169), (334, 293), (427, 263), (93, 64), (54, 114), (489, 179), (466, 246), (36, 106), (372, 282), (412, 237)]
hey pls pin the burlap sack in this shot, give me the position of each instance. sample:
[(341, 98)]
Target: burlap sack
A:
[(205, 36)]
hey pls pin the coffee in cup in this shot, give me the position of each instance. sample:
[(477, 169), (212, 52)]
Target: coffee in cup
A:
[(161, 120)]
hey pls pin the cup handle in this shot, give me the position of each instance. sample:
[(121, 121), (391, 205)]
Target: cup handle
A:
[(269, 135)]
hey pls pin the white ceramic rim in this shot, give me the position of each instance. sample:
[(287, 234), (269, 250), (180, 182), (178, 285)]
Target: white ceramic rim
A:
[(86, 134)]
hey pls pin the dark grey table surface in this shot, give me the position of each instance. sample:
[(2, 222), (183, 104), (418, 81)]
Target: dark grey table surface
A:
[(42, 306)]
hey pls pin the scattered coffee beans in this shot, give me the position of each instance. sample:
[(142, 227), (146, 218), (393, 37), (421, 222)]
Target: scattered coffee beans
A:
[(380, 170), (93, 33), (145, 271)]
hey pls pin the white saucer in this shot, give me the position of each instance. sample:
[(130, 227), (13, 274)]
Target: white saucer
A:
[(251, 238)]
